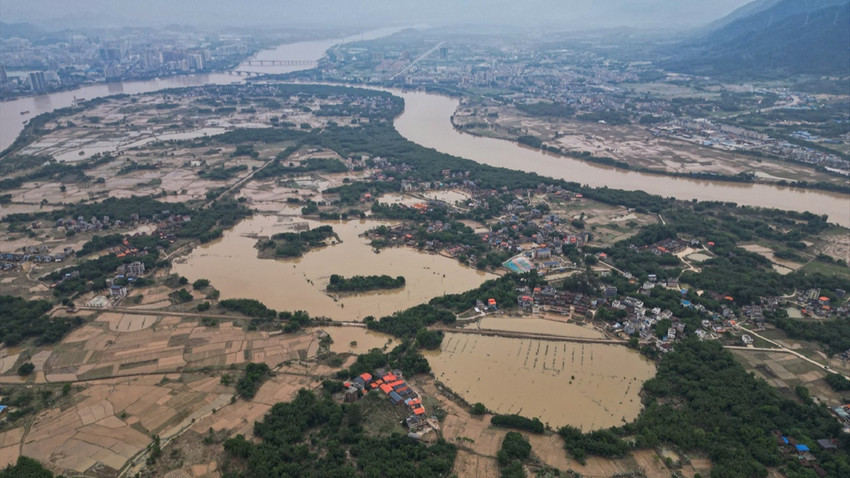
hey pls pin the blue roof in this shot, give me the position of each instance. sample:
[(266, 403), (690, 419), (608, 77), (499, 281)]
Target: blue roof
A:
[(785, 440), (802, 448)]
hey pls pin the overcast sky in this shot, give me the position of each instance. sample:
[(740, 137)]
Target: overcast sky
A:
[(569, 14)]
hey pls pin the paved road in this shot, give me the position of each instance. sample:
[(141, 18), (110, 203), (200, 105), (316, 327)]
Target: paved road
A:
[(432, 50), (783, 349)]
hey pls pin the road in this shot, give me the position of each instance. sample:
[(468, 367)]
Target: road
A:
[(528, 335), (142, 311), (783, 349), (432, 50)]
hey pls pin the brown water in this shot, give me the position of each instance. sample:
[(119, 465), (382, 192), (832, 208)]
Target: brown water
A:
[(534, 378), (231, 264), (358, 340), (12, 113), (426, 121)]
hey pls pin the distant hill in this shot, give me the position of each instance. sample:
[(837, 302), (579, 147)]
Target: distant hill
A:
[(21, 30), (767, 38)]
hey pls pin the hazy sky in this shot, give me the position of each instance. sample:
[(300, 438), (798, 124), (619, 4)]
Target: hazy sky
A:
[(570, 14)]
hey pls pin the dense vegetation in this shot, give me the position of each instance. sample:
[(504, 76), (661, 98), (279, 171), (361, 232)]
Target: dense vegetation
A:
[(116, 208), (339, 283), (97, 243), (25, 467), (408, 322), (315, 436), (404, 357), (209, 224), (515, 449), (838, 382), (249, 307), (93, 273), (519, 422), (23, 319), (702, 399), (834, 334), (255, 375), (295, 244)]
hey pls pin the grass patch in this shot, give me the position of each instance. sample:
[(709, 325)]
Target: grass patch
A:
[(382, 417), (826, 269)]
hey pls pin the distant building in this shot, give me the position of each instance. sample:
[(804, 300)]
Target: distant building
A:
[(3, 77), (37, 81), (133, 269)]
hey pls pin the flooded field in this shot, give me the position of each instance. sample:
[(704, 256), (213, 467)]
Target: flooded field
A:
[(590, 386), (231, 264), (357, 340), (535, 326)]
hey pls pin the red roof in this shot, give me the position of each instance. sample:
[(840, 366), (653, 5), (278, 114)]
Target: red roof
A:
[(396, 383), (390, 378), (419, 411), (491, 301), (386, 388), (366, 377)]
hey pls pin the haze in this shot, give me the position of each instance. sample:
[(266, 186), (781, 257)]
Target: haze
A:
[(566, 14)]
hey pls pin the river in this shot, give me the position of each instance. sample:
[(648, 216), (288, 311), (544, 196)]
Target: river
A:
[(427, 121)]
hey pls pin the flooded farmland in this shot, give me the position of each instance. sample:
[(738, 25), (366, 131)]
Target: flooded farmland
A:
[(232, 266), (358, 340), (590, 386)]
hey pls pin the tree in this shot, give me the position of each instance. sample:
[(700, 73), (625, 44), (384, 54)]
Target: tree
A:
[(200, 284), (26, 369), (26, 467), (514, 447), (479, 409)]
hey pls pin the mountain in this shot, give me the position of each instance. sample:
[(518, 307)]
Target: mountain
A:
[(21, 30), (769, 38)]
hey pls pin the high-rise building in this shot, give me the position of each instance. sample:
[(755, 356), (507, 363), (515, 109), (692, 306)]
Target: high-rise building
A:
[(37, 82), (444, 53), (3, 77)]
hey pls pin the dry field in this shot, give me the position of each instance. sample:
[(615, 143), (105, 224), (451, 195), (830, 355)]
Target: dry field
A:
[(134, 378)]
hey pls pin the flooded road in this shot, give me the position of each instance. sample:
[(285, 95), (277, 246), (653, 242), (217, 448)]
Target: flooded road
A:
[(232, 266), (590, 386)]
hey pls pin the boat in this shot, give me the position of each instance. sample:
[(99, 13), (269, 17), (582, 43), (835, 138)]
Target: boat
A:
[(25, 112)]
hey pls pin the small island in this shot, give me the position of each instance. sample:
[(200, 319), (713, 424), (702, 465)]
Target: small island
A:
[(294, 244), (339, 283)]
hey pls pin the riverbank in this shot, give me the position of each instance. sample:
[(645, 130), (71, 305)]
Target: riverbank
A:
[(747, 178)]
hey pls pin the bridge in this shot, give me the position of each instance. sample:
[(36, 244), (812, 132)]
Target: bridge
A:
[(280, 63)]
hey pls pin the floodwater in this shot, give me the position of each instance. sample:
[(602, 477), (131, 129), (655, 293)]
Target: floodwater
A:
[(590, 386), (358, 340), (232, 266), (426, 121), (535, 326)]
